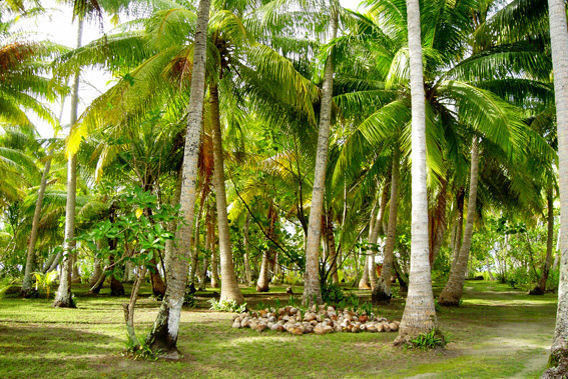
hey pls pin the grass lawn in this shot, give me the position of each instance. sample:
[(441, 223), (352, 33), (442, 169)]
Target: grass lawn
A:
[(497, 332)]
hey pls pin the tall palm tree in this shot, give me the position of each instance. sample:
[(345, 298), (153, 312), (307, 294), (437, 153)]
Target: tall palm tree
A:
[(312, 291), (419, 313), (452, 292), (63, 298), (559, 40), (166, 327)]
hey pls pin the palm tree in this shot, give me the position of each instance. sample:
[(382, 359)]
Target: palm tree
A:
[(166, 327), (63, 298), (312, 291), (381, 290), (419, 313), (558, 361), (452, 292)]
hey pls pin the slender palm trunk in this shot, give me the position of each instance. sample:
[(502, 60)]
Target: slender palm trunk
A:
[(458, 225), (331, 248), (437, 223), (382, 291), (262, 284), (229, 286), (559, 40), (364, 282), (419, 313), (195, 240), (27, 288), (63, 297), (210, 246), (378, 230), (452, 292), (170, 244), (312, 290), (541, 286), (75, 275), (246, 257), (166, 327)]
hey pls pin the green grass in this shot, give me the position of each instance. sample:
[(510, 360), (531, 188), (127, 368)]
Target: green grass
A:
[(497, 332)]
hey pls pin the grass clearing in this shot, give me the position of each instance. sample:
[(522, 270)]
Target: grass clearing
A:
[(497, 332)]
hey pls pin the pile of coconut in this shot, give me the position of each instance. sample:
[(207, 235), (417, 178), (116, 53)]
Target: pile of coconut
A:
[(319, 320)]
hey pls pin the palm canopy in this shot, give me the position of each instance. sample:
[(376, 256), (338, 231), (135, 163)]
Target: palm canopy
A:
[(153, 58), (24, 81), (461, 101)]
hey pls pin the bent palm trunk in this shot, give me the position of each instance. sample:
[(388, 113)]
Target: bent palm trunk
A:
[(419, 313), (27, 282), (452, 292), (165, 330)]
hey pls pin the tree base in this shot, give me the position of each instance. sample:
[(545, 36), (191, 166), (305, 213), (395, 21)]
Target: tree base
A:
[(537, 291), (379, 296), (265, 288), (29, 294), (449, 300), (64, 304), (116, 287), (558, 365)]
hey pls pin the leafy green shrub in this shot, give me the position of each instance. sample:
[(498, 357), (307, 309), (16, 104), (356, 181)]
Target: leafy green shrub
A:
[(140, 351), (6, 285), (430, 340), (519, 278), (45, 281), (332, 293), (227, 306), (189, 299)]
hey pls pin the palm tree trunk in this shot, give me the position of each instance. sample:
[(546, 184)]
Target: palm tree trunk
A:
[(382, 291), (246, 258), (63, 297), (452, 292), (229, 286), (75, 275), (364, 282), (262, 284), (195, 240), (378, 230), (165, 330), (27, 288), (419, 313), (210, 246), (312, 290), (170, 244), (541, 286), (559, 40), (437, 222), (331, 248)]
